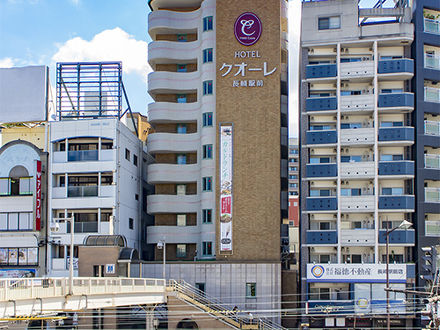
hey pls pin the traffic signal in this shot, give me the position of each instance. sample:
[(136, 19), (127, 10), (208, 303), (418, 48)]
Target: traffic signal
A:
[(429, 264)]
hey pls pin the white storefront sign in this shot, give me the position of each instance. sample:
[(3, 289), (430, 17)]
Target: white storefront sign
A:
[(368, 273), (226, 188)]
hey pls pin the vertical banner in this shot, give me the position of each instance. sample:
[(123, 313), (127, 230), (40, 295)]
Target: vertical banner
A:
[(226, 188), (38, 197)]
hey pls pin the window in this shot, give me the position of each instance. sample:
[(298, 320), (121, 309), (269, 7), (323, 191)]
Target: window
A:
[(207, 23), (181, 189), (327, 23), (432, 228), (181, 159), (135, 160), (207, 119), (392, 191), (181, 68), (19, 256), (324, 226), (207, 216), (207, 151), (207, 183), (181, 129), (14, 221), (5, 186), (207, 55), (207, 248), (136, 197), (207, 87), (293, 177), (181, 98), (181, 250), (127, 154), (251, 290), (181, 220), (182, 38), (130, 223)]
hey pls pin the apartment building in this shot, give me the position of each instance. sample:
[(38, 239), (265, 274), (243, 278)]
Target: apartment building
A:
[(426, 85), (358, 167), (293, 182), (220, 143)]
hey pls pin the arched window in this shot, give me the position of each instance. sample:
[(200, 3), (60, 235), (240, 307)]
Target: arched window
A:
[(20, 181)]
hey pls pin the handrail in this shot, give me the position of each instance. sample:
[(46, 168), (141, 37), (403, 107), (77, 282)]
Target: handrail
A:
[(222, 311)]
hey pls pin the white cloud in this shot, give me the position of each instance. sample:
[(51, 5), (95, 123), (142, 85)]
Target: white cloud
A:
[(75, 2), (6, 62), (108, 45)]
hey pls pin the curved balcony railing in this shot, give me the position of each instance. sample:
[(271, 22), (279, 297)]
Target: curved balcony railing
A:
[(173, 82), (169, 51), (173, 142), (167, 20), (173, 204), (161, 173), (167, 111)]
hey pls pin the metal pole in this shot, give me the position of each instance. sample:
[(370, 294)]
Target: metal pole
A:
[(388, 281), (72, 229), (164, 260)]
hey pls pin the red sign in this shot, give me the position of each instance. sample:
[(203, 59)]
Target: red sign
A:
[(226, 204), (38, 197)]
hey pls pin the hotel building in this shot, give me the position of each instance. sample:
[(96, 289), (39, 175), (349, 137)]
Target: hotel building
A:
[(220, 143), (357, 164)]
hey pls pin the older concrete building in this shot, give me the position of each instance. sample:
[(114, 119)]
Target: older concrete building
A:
[(357, 164), (220, 142)]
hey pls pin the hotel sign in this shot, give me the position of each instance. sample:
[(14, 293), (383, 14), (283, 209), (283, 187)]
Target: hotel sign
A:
[(226, 158), (367, 273), (247, 29)]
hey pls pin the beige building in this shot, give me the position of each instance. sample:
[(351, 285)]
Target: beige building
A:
[(219, 81)]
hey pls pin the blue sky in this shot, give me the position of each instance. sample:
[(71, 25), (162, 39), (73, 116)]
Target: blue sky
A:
[(41, 32)]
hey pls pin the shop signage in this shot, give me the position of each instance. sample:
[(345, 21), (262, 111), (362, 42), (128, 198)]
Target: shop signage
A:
[(226, 188), (38, 197)]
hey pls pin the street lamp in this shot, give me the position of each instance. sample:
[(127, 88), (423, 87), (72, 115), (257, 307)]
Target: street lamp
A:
[(403, 225), (163, 245), (72, 229)]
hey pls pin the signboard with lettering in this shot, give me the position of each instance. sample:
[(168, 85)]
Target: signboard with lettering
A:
[(38, 197), (226, 188), (367, 273)]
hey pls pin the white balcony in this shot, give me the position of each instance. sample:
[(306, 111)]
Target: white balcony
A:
[(432, 127), (432, 94), (432, 161), (357, 69), (171, 52), (173, 142), (102, 161), (173, 204), (165, 173), (432, 62), (173, 82), (173, 234), (357, 170), (357, 136), (165, 112), (16, 203), (358, 237), (432, 195), (363, 102), (357, 203), (83, 192), (170, 22)]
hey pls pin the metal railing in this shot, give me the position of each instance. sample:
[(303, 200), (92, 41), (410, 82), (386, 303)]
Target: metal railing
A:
[(432, 127), (432, 94), (32, 288), (432, 61), (82, 191), (215, 307), (432, 195), (84, 227), (432, 161), (431, 26)]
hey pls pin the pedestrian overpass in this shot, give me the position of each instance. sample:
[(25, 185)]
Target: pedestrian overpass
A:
[(31, 298)]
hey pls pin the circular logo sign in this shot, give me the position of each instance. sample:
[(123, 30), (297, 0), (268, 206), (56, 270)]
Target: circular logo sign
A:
[(317, 271), (362, 303), (247, 29)]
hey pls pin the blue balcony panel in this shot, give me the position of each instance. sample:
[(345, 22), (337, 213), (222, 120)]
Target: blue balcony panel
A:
[(396, 202), (321, 103), (321, 137), (393, 100), (396, 134), (321, 203), (404, 167), (322, 237), (321, 170), (320, 71), (396, 66), (398, 237)]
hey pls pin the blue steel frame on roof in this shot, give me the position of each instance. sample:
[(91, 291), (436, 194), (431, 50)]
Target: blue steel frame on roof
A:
[(87, 90)]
